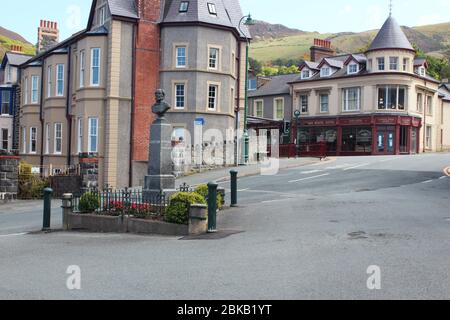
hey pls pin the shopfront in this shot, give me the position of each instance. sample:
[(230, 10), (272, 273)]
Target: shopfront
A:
[(367, 135)]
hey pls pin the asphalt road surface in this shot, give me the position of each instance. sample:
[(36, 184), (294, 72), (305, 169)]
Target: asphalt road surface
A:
[(306, 233)]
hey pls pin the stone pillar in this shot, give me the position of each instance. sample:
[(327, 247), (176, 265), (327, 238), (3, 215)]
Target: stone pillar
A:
[(66, 209), (160, 176), (198, 219), (9, 175)]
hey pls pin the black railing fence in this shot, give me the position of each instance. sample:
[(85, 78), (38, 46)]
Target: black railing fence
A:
[(121, 202)]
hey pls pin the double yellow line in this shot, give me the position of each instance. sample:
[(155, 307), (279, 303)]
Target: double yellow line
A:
[(447, 171)]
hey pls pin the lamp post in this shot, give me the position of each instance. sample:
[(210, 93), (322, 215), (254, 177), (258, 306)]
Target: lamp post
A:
[(248, 22), (297, 115)]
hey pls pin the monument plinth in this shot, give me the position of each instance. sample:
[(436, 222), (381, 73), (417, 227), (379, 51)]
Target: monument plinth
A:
[(160, 178)]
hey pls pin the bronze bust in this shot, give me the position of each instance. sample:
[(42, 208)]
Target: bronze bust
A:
[(160, 107)]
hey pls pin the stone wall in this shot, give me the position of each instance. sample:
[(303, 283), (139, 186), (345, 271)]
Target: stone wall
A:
[(9, 175)]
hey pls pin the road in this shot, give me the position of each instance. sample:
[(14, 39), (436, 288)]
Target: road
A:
[(306, 233)]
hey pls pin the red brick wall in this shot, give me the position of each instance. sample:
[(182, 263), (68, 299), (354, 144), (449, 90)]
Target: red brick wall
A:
[(147, 63)]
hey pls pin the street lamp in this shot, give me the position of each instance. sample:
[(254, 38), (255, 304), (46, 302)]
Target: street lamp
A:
[(248, 22), (297, 115)]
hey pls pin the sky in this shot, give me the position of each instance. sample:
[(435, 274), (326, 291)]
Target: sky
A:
[(23, 16)]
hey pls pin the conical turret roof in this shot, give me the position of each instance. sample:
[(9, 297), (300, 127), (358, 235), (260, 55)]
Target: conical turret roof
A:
[(391, 36)]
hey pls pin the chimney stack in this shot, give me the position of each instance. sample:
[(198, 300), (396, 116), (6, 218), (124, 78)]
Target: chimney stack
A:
[(48, 35), (16, 48), (321, 49)]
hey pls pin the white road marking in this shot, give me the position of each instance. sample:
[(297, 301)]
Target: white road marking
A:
[(428, 181), (443, 177), (12, 235), (311, 172), (271, 201), (242, 190), (358, 166), (310, 178), (339, 166)]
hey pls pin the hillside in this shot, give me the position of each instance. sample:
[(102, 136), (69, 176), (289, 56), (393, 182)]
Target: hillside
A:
[(7, 38), (432, 39)]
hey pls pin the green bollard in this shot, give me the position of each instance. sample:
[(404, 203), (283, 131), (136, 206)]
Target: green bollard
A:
[(234, 175), (212, 207), (47, 208)]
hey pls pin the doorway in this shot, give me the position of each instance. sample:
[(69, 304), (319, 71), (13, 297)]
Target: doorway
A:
[(386, 140)]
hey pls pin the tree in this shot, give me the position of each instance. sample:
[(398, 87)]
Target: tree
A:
[(255, 65)]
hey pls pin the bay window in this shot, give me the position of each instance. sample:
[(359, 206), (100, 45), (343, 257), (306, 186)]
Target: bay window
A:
[(381, 65), (33, 140), (391, 98), (93, 135), (59, 80), (95, 66), (180, 96), (34, 89), (393, 63), (58, 138), (82, 67), (180, 57), (5, 102)]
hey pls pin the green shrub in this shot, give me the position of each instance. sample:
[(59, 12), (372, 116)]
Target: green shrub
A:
[(30, 186), (178, 210), (89, 202), (203, 191)]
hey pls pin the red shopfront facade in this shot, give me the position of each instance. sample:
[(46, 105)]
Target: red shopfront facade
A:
[(361, 135)]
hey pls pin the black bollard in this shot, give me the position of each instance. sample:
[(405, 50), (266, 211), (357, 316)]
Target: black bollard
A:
[(47, 208), (234, 175), (212, 207)]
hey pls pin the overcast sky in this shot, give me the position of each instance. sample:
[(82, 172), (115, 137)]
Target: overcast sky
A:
[(23, 16)]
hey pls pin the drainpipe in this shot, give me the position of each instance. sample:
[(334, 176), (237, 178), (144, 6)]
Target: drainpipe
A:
[(68, 115), (133, 106), (424, 125), (41, 114), (238, 109)]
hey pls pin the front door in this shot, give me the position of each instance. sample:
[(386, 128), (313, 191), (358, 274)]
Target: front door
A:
[(386, 140), (414, 141)]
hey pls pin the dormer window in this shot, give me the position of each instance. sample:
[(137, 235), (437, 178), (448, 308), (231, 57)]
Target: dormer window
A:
[(325, 72), (393, 63), (306, 74), (184, 6), (422, 71), (352, 68), (102, 15), (212, 9)]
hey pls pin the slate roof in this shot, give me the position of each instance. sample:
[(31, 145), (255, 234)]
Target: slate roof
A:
[(419, 61), (444, 94), (229, 14), (15, 59), (123, 8), (276, 86), (391, 36)]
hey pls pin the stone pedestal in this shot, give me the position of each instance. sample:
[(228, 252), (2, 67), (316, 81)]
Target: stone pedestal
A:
[(160, 176)]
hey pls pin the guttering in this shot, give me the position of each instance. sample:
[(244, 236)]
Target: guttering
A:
[(133, 107), (68, 115)]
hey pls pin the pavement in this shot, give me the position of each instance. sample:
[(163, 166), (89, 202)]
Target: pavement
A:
[(308, 232)]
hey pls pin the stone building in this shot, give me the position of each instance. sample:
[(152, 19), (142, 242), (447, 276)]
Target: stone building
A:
[(87, 100), (381, 102)]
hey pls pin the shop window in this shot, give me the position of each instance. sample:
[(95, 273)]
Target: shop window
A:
[(357, 139)]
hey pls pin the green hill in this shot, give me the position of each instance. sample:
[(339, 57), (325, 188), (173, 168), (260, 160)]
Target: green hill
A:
[(432, 39), (8, 38)]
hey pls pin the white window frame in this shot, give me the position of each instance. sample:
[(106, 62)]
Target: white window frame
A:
[(321, 103), (392, 63), (422, 71), (59, 72), (306, 74), (256, 103), (47, 138), (25, 98), (386, 94), (35, 89), (3, 141), (178, 56), (82, 67), (405, 64), (345, 97), (323, 74), (184, 7), (49, 81), (213, 60), (33, 137), (58, 129), (8, 73), (306, 110), (24, 140), (212, 9), (275, 108), (80, 135), (3, 93), (349, 68), (92, 135), (381, 61), (428, 137), (177, 96), (95, 67), (102, 15), (216, 96)]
